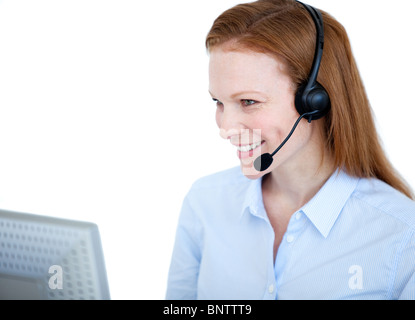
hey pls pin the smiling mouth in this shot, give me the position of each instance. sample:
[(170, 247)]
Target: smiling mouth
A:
[(249, 147)]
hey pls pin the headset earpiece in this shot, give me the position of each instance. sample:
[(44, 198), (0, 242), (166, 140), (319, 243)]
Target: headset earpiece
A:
[(314, 99)]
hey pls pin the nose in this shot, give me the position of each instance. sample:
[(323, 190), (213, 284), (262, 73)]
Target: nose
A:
[(228, 122)]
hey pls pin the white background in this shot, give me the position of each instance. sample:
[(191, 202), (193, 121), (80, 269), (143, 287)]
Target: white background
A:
[(105, 114)]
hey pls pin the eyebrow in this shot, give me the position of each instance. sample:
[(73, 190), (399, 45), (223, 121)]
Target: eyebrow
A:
[(248, 92), (245, 92)]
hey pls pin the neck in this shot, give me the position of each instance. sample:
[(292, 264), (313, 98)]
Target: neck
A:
[(295, 184)]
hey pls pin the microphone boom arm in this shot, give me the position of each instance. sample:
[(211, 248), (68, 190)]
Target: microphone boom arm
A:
[(293, 129), (263, 162)]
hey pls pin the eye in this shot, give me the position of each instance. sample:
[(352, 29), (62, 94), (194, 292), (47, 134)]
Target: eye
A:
[(218, 103), (248, 102)]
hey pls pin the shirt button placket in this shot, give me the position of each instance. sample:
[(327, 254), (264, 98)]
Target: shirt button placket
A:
[(290, 239), (298, 216)]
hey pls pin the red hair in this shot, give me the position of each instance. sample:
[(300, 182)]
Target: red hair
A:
[(285, 29)]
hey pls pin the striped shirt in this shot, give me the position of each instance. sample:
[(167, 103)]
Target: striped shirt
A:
[(355, 239)]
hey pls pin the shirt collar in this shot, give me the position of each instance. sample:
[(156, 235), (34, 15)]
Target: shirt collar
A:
[(322, 210), (325, 207), (253, 199)]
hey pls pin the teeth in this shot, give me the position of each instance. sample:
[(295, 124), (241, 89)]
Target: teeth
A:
[(249, 147)]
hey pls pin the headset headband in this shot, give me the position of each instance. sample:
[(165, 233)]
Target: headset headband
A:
[(318, 21)]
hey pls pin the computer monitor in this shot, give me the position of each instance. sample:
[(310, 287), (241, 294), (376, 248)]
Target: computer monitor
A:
[(49, 258)]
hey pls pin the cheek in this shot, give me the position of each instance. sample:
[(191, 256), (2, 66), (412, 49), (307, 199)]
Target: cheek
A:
[(267, 126), (275, 128)]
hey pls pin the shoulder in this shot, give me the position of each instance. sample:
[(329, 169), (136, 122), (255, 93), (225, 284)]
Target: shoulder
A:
[(379, 196), (221, 179), (228, 190), (220, 196)]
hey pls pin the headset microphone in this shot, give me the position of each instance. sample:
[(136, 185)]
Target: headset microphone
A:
[(311, 99)]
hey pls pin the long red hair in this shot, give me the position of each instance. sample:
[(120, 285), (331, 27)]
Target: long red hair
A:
[(285, 29)]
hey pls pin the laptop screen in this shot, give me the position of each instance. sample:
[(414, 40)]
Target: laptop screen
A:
[(48, 258)]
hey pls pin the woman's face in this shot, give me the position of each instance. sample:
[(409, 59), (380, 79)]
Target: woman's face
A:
[(255, 108)]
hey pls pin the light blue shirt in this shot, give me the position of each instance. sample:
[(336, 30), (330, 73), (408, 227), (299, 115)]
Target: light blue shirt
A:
[(355, 239)]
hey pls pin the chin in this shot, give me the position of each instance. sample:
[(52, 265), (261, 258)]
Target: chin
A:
[(250, 172)]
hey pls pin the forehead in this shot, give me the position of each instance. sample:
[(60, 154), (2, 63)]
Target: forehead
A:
[(243, 69), (224, 60)]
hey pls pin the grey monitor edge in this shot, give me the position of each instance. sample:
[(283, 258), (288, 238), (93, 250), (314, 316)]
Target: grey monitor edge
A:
[(30, 240)]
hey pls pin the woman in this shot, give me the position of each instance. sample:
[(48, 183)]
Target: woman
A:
[(329, 218)]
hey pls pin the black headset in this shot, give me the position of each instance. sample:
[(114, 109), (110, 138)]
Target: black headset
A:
[(311, 97)]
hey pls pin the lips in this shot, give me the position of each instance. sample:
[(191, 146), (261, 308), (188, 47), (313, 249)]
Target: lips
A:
[(248, 150), (249, 147)]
